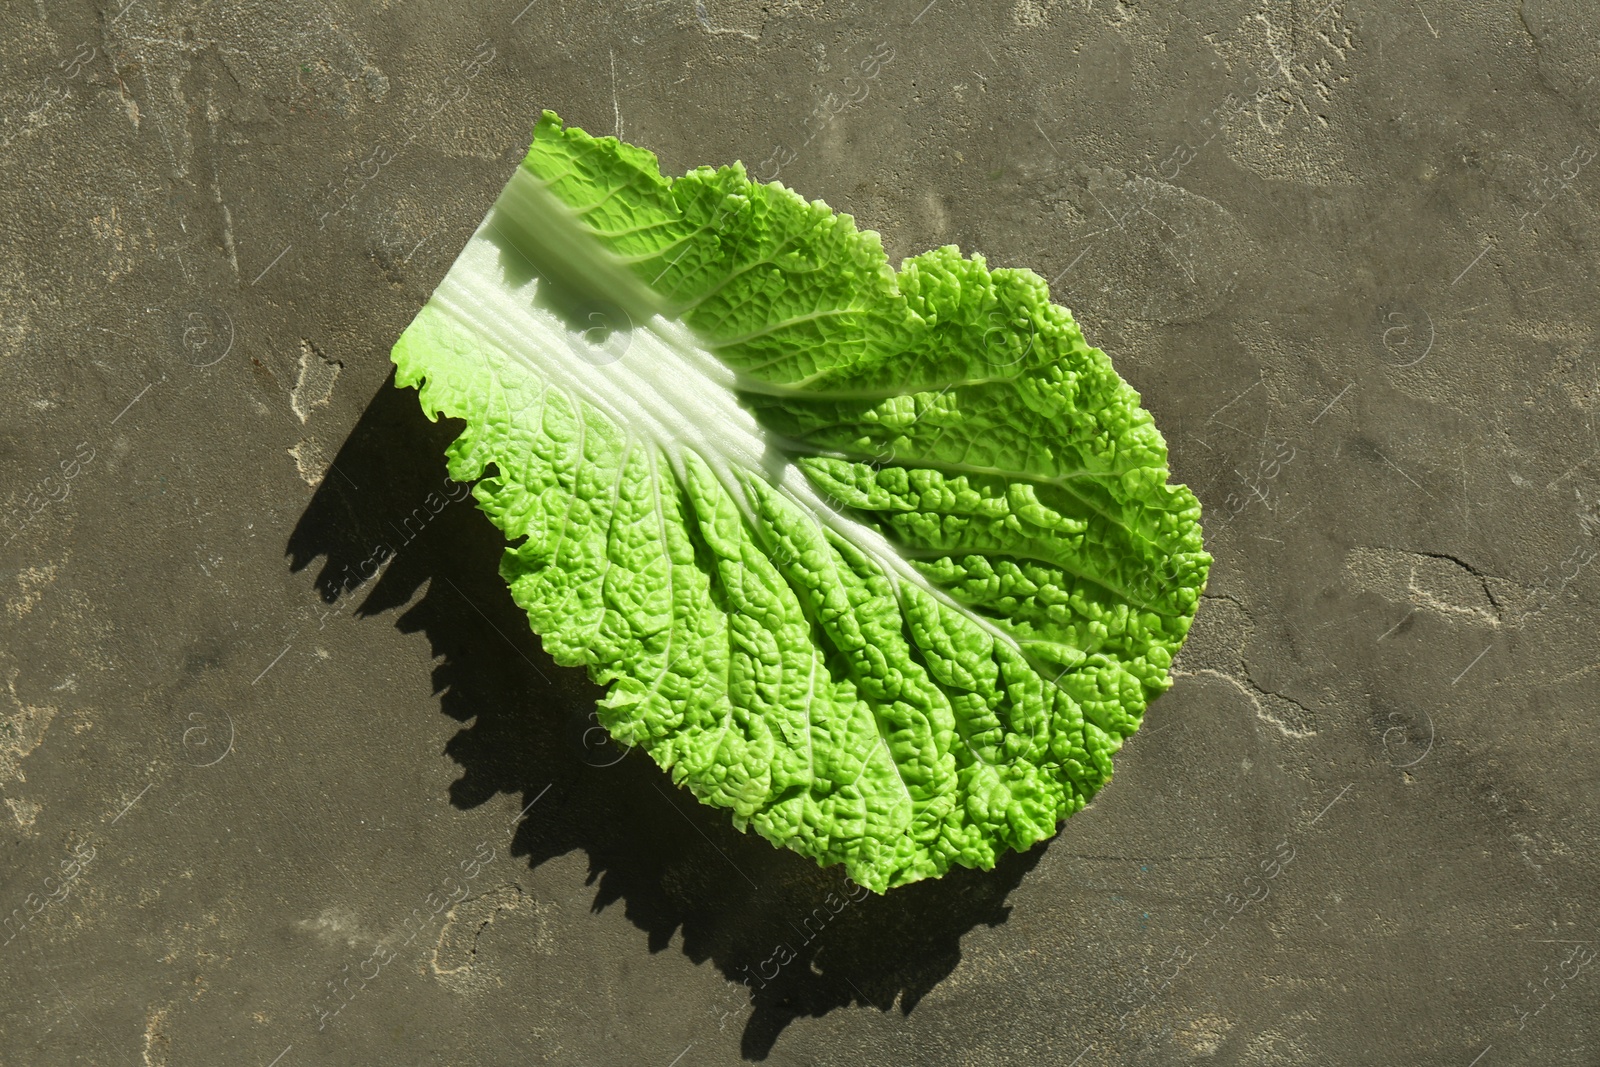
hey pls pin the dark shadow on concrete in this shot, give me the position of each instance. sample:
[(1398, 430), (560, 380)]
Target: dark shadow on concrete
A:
[(801, 941)]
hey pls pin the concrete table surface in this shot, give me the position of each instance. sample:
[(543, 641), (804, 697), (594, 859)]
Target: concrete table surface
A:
[(287, 780)]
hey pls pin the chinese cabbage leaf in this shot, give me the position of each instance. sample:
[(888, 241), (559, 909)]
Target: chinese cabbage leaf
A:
[(886, 563)]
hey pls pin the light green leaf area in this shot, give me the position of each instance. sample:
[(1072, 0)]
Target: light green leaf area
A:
[(886, 563)]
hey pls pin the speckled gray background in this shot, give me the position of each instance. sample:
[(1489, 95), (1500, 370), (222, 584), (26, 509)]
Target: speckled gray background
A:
[(1344, 250)]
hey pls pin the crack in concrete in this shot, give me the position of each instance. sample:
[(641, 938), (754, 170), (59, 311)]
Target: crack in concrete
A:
[(1219, 653), (1439, 581)]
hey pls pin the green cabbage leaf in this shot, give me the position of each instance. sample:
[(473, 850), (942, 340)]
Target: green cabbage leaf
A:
[(886, 563)]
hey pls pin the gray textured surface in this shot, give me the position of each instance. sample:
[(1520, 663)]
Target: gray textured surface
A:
[(1361, 306)]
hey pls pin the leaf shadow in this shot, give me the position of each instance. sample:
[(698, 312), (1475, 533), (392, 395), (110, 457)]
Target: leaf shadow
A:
[(794, 939)]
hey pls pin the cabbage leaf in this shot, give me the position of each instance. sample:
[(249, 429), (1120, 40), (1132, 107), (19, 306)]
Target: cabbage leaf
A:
[(886, 563)]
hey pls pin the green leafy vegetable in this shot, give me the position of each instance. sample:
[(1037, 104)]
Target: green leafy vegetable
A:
[(885, 563)]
